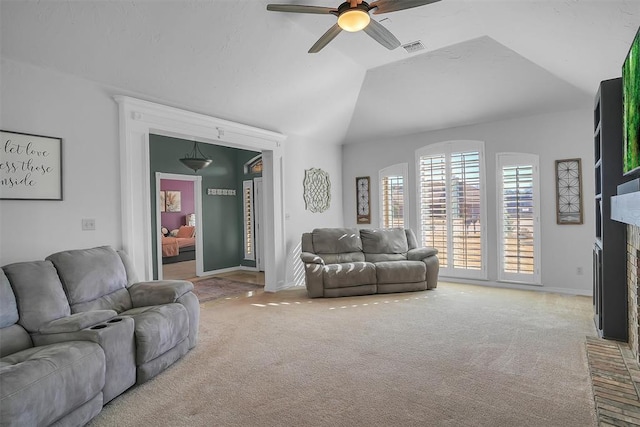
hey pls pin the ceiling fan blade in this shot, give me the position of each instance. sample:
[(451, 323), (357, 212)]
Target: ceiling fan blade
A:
[(326, 38), (301, 9), (380, 34), (385, 6)]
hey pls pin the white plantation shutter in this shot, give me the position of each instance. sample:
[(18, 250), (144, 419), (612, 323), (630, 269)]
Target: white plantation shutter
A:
[(465, 203), (433, 204), (451, 205), (392, 196), (518, 226)]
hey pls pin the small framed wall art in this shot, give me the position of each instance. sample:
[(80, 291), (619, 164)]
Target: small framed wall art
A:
[(363, 204), (569, 191), (30, 167), (174, 202)]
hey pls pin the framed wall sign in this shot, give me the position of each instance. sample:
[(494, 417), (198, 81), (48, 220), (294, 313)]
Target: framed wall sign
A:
[(363, 199), (30, 167), (569, 191)]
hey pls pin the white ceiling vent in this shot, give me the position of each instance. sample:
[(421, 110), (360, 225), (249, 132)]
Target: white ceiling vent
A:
[(413, 46)]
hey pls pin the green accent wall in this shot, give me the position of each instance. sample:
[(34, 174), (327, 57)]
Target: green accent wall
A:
[(222, 218)]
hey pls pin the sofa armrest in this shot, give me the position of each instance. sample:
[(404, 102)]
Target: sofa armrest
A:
[(418, 254), (309, 258), (77, 322), (157, 292)]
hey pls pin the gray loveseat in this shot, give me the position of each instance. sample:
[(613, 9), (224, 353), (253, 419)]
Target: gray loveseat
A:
[(350, 261), (77, 330)]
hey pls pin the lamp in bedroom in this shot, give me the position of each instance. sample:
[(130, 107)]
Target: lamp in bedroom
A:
[(196, 160)]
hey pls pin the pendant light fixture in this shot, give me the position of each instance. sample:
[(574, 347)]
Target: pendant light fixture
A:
[(196, 160)]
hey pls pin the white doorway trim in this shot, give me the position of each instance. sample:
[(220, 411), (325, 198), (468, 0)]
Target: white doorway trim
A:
[(197, 197), (258, 213), (140, 118)]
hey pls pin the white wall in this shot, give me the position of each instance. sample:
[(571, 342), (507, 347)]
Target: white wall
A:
[(301, 154), (85, 116), (565, 248)]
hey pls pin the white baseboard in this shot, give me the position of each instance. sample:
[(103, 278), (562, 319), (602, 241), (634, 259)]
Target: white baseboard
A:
[(508, 285)]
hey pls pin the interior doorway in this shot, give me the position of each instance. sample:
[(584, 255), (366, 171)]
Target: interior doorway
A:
[(178, 222)]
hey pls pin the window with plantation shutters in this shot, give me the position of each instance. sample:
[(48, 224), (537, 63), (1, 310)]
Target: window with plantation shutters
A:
[(451, 204), (518, 225), (393, 189)]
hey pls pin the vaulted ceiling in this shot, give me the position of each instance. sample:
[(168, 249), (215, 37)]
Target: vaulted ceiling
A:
[(483, 60)]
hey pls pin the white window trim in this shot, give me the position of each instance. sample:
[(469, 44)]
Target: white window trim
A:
[(448, 147), (400, 169), (517, 159)]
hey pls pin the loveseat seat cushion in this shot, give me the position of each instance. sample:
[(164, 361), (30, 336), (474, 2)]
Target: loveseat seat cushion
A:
[(42, 384), (94, 279), (349, 274), (38, 292), (158, 329), (401, 272)]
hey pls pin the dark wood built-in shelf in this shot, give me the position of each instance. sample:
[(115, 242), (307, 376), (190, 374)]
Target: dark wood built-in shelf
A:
[(609, 252)]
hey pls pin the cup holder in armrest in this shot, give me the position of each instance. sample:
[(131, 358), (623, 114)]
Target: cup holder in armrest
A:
[(117, 319), (98, 327)]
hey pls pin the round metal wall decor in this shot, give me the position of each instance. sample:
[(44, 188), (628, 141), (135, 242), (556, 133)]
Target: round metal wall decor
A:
[(317, 190)]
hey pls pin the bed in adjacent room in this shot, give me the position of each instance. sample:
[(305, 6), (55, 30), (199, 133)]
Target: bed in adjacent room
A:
[(179, 246)]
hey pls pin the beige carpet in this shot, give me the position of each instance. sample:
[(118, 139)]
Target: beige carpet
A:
[(459, 355)]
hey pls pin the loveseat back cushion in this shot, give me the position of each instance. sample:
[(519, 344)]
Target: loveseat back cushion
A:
[(132, 276), (384, 241), (38, 292), (93, 279), (412, 242), (336, 240), (8, 305)]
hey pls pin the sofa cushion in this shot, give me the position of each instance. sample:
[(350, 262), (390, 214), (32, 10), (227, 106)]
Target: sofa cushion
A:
[(349, 274), (13, 339), (336, 240), (90, 274), (39, 293), (158, 329), (384, 241), (401, 271), (42, 384), (342, 258), (8, 305)]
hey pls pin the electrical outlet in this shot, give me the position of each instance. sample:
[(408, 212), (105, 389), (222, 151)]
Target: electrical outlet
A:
[(579, 271), (88, 224)]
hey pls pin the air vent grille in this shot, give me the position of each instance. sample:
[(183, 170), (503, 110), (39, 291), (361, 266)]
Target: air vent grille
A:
[(413, 46)]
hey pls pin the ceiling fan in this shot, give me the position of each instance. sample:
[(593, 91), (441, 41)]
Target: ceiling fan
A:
[(353, 15)]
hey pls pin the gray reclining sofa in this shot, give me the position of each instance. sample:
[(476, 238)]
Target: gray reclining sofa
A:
[(350, 261), (77, 330)]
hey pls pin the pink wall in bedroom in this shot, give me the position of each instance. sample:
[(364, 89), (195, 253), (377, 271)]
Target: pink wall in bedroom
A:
[(173, 220)]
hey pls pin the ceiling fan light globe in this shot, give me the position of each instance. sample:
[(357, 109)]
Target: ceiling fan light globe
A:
[(353, 20)]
